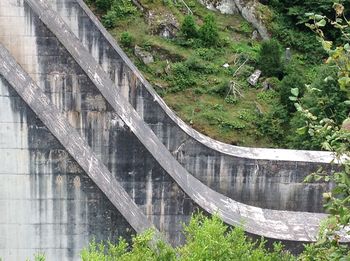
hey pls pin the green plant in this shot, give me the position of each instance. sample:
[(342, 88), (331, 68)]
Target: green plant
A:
[(267, 96), (231, 99), (246, 115), (209, 33), (118, 10), (336, 139), (246, 27), (270, 58), (207, 238), (294, 78), (37, 257), (126, 39), (188, 28), (220, 89), (218, 107), (207, 54), (274, 124), (181, 77), (102, 5), (232, 125)]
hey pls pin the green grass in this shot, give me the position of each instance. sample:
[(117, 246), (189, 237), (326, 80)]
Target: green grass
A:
[(207, 113), (190, 76)]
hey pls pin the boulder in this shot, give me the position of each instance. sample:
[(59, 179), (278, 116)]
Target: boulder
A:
[(163, 24), (254, 78), (255, 35), (224, 6), (251, 10), (144, 56), (269, 84)]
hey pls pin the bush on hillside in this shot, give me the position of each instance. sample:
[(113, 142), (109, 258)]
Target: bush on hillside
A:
[(118, 10), (270, 61), (126, 39), (209, 32), (188, 28)]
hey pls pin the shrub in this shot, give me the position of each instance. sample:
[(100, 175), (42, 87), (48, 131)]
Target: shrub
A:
[(270, 58), (232, 125), (207, 238), (294, 78), (102, 5), (181, 77), (273, 124), (126, 39), (188, 28), (231, 99), (209, 33), (118, 10), (220, 89), (207, 54)]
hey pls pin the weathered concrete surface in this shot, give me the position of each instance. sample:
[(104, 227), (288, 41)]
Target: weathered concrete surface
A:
[(284, 225), (157, 183), (266, 178), (72, 142), (47, 202), (82, 104)]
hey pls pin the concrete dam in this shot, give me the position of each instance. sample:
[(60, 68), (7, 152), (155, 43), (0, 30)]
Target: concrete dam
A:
[(89, 150)]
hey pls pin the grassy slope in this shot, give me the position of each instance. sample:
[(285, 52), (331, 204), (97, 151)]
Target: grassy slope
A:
[(205, 111)]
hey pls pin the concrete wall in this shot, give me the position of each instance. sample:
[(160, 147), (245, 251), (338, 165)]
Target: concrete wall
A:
[(47, 203), (50, 204), (64, 206), (258, 177)]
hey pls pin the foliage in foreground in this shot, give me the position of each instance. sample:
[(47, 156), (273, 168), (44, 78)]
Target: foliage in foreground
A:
[(207, 238), (333, 138)]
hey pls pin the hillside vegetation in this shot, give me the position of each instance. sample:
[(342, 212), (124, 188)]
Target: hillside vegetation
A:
[(199, 61)]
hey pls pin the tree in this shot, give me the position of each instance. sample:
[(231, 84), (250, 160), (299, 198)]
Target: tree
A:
[(209, 33), (270, 58), (188, 28)]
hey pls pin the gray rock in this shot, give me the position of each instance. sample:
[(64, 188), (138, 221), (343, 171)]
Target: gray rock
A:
[(163, 24), (224, 6), (144, 56), (255, 35), (288, 54), (254, 78), (249, 9)]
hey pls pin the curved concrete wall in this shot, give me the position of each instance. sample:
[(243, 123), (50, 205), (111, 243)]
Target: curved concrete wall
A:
[(86, 98), (264, 178)]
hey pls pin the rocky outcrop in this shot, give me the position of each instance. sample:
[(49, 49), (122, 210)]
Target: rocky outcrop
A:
[(144, 56), (251, 10)]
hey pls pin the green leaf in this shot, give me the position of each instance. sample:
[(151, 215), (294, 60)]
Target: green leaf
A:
[(327, 45), (321, 23), (347, 47), (309, 14), (295, 91), (293, 98), (319, 17), (344, 82), (298, 107), (302, 130)]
